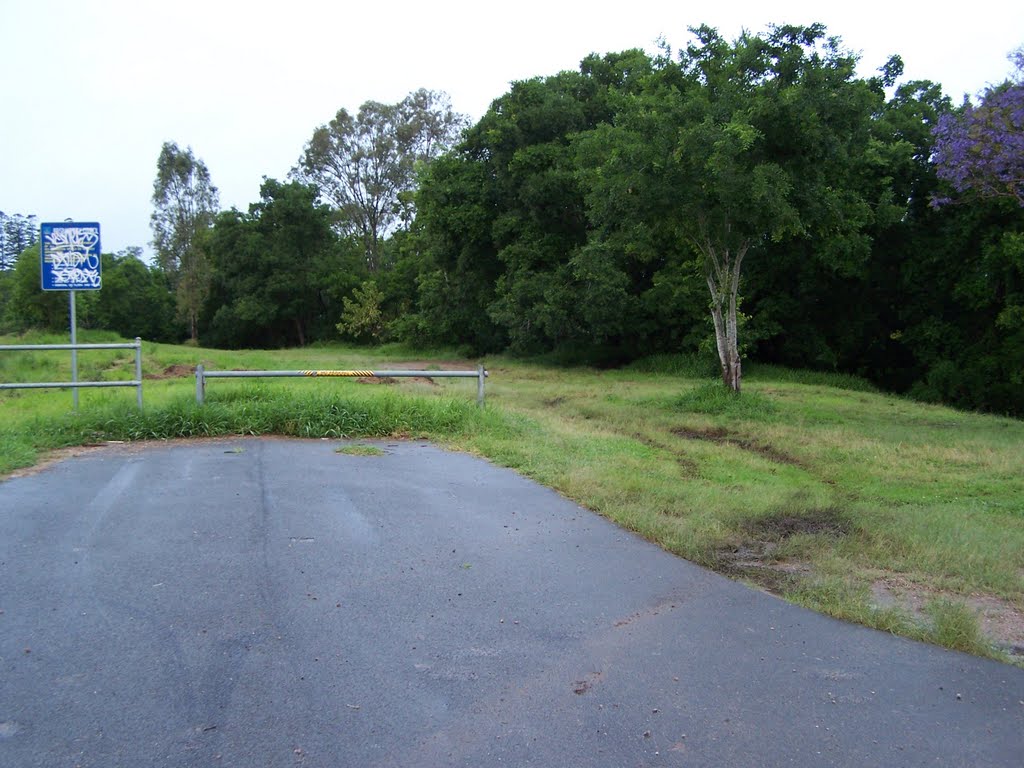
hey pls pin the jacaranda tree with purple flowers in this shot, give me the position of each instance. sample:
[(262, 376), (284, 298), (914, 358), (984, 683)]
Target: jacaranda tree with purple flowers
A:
[(970, 341), (979, 150)]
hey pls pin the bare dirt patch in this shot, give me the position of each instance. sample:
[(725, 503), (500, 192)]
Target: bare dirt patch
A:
[(724, 437), (826, 521), (753, 557), (776, 578), (176, 371), (1000, 620), (419, 365)]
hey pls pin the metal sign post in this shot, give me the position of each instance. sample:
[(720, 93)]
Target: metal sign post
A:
[(70, 261), (74, 349)]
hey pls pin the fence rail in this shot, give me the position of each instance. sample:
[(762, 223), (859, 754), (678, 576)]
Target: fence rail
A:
[(75, 385), (202, 375)]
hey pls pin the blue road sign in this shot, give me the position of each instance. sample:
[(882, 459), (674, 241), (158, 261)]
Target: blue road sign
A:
[(70, 254)]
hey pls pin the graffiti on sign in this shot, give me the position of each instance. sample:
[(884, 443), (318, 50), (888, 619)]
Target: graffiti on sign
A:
[(70, 256)]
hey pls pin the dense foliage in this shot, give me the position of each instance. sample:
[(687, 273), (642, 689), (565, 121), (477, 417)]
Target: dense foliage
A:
[(135, 299), (278, 272), (590, 213), (754, 198)]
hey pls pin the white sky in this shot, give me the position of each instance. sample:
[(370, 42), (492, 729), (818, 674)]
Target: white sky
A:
[(92, 88)]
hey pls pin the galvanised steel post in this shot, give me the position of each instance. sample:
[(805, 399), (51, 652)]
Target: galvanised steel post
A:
[(138, 370), (74, 350), (200, 384), (480, 374)]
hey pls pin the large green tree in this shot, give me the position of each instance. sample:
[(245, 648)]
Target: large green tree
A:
[(276, 271), (184, 204), (736, 147)]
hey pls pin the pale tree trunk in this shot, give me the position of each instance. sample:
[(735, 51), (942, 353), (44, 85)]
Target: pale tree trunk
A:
[(193, 287), (722, 266)]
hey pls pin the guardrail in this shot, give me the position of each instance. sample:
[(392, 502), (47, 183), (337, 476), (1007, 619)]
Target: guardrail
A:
[(202, 375), (74, 385)]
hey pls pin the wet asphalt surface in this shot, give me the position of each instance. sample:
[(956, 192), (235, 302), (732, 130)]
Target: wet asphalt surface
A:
[(274, 603)]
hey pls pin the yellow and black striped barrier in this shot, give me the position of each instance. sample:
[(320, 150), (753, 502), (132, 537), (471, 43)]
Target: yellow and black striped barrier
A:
[(202, 375), (356, 374)]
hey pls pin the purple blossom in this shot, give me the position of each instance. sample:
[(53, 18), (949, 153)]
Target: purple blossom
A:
[(980, 151)]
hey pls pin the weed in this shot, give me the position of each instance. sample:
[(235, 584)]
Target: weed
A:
[(713, 399), (359, 450), (955, 626)]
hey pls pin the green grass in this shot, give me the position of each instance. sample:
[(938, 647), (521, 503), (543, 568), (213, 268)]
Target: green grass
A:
[(814, 486), (360, 450), (955, 626)]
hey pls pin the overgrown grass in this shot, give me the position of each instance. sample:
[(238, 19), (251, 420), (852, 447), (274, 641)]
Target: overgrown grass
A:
[(714, 399), (253, 410), (812, 486)]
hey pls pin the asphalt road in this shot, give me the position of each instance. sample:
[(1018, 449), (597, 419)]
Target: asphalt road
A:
[(274, 603)]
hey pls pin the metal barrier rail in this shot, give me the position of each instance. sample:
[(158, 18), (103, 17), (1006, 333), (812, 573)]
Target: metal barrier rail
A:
[(75, 385), (202, 375)]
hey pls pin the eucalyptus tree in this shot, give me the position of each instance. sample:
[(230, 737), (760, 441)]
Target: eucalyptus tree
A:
[(184, 205), (366, 165)]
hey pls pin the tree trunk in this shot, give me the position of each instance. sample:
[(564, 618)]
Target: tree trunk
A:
[(727, 344), (722, 270)]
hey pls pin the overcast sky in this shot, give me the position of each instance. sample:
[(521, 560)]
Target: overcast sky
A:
[(92, 88)]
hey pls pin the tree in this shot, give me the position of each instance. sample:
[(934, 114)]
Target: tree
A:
[(135, 299), (17, 232), (362, 319), (273, 269), (502, 218), (28, 306), (980, 150), (366, 166), (185, 202), (738, 146)]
